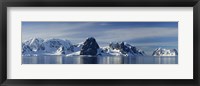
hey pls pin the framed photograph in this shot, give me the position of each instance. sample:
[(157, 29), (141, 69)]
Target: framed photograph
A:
[(99, 42), (74, 42)]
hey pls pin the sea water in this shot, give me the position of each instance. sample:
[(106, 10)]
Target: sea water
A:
[(60, 59)]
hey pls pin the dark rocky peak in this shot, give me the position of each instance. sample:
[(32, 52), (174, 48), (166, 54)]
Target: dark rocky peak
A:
[(89, 47), (123, 48), (176, 52)]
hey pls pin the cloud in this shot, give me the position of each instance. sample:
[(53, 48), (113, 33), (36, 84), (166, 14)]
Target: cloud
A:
[(50, 30), (78, 32), (157, 44), (104, 24), (126, 34), (131, 34)]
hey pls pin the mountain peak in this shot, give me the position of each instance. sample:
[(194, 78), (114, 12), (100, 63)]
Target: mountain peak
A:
[(50, 46), (90, 47), (32, 40), (126, 48), (91, 39)]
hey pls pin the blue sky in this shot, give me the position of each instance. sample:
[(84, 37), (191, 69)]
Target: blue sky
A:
[(145, 35)]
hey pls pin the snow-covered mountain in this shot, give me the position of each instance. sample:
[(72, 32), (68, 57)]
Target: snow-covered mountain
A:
[(122, 48), (32, 46), (91, 47), (165, 52), (37, 46), (50, 46)]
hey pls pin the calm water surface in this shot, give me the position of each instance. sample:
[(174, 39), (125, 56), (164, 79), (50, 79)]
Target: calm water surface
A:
[(99, 60)]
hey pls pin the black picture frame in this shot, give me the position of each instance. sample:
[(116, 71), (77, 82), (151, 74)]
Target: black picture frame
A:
[(98, 3)]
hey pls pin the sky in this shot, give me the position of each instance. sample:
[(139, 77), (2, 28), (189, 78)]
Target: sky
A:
[(147, 36)]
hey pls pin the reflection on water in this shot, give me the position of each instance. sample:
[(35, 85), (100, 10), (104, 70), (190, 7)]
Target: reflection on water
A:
[(99, 60)]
